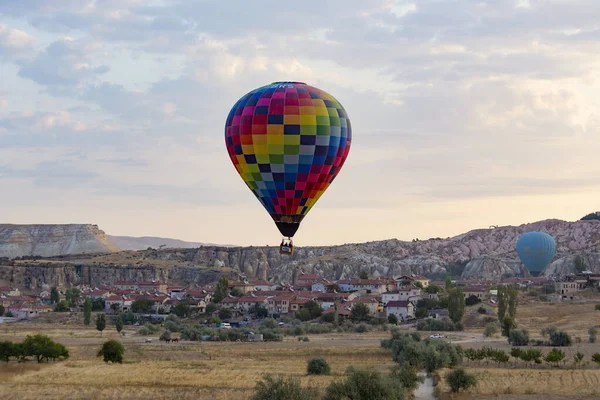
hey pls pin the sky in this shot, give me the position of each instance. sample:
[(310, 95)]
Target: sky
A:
[(464, 113)]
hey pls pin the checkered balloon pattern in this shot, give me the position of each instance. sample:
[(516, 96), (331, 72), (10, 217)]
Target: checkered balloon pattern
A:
[(288, 141)]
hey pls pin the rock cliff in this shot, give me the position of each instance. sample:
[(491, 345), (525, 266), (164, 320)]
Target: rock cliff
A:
[(483, 253), (50, 240)]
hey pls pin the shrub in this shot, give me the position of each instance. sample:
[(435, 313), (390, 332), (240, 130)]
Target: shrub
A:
[(112, 351), (144, 331), (597, 307), (460, 379), (172, 326), (359, 312), (225, 313), (362, 328), (560, 338), (328, 317), (482, 310), (270, 388), (318, 366), (363, 384), (392, 319), (596, 358), (269, 323), (518, 337), (491, 329), (555, 356), (407, 376), (593, 332), (432, 324), (166, 335), (472, 300)]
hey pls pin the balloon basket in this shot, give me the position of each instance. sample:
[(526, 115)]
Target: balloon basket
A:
[(286, 247)]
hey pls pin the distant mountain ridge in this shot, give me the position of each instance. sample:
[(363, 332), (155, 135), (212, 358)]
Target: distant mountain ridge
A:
[(142, 243)]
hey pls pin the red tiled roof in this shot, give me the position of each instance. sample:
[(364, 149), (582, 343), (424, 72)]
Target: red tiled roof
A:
[(398, 303)]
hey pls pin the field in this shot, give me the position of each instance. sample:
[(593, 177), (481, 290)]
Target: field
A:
[(229, 370)]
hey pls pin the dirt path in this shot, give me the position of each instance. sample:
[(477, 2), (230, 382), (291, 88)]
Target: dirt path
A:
[(425, 389)]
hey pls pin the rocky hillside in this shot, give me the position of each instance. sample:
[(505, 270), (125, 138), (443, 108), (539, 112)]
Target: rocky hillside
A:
[(142, 243), (484, 253), (50, 240)]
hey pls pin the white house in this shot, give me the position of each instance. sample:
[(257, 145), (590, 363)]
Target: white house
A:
[(346, 285), (401, 309), (403, 294), (263, 285)]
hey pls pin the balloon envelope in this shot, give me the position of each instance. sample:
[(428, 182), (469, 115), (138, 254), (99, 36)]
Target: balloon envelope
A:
[(536, 250), (288, 141)]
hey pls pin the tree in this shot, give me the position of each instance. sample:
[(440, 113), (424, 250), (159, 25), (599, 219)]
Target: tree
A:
[(87, 311), (516, 353), (211, 308), (502, 302), (259, 311), (119, 324), (407, 376), (456, 305), (98, 304), (460, 379), (42, 348), (221, 290), (491, 329), (54, 296), (433, 289), (472, 300), (2, 310), (318, 366), (580, 264), (142, 305), (61, 306), (392, 319), (363, 275), (593, 332), (560, 338), (9, 314), (596, 358), (555, 356), (578, 358), (112, 351), (448, 284), (365, 384), (359, 312), (518, 337), (236, 292), (72, 296), (182, 309), (513, 302), (225, 313), (100, 322), (508, 324), (280, 388), (7, 350)]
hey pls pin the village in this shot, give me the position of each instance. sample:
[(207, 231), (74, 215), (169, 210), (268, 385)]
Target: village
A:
[(382, 296)]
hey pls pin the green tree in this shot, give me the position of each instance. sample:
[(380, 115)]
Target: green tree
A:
[(363, 275), (555, 356), (518, 337), (98, 304), (407, 376), (580, 264), (72, 296), (448, 284), (281, 388), (472, 300), (491, 328), (460, 379), (456, 305), (87, 311), (61, 306), (236, 292), (221, 290), (43, 348), (142, 305), (593, 332), (112, 351), (359, 312), (119, 324), (508, 324), (513, 302), (2, 310), (502, 302), (516, 353), (100, 322), (166, 335), (433, 289), (54, 296), (211, 308), (7, 350), (578, 358), (318, 366), (365, 384), (259, 311), (392, 319), (225, 313), (596, 358), (182, 309)]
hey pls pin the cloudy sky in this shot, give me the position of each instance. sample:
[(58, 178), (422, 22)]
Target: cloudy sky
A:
[(465, 113)]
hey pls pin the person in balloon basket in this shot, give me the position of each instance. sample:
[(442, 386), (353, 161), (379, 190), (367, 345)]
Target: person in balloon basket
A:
[(286, 246)]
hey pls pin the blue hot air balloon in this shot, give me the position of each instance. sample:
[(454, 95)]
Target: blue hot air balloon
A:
[(536, 250)]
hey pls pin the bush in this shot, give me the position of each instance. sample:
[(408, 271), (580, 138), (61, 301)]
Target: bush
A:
[(362, 328), (270, 388), (392, 319), (112, 351), (597, 307), (225, 313), (359, 312), (166, 335), (431, 324), (407, 376), (472, 300), (144, 331), (460, 379), (518, 337), (172, 326), (491, 329), (328, 317), (318, 366), (270, 323), (593, 332), (365, 384), (560, 338)]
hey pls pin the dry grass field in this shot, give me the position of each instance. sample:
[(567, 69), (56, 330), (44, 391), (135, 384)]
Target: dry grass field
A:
[(226, 370)]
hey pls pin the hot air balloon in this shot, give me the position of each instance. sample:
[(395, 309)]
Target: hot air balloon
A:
[(536, 250), (288, 141)]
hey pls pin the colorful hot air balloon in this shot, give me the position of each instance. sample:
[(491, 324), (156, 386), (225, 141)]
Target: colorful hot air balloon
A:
[(536, 250), (288, 141)]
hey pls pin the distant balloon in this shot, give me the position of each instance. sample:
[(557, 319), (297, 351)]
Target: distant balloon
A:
[(288, 141), (536, 250)]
